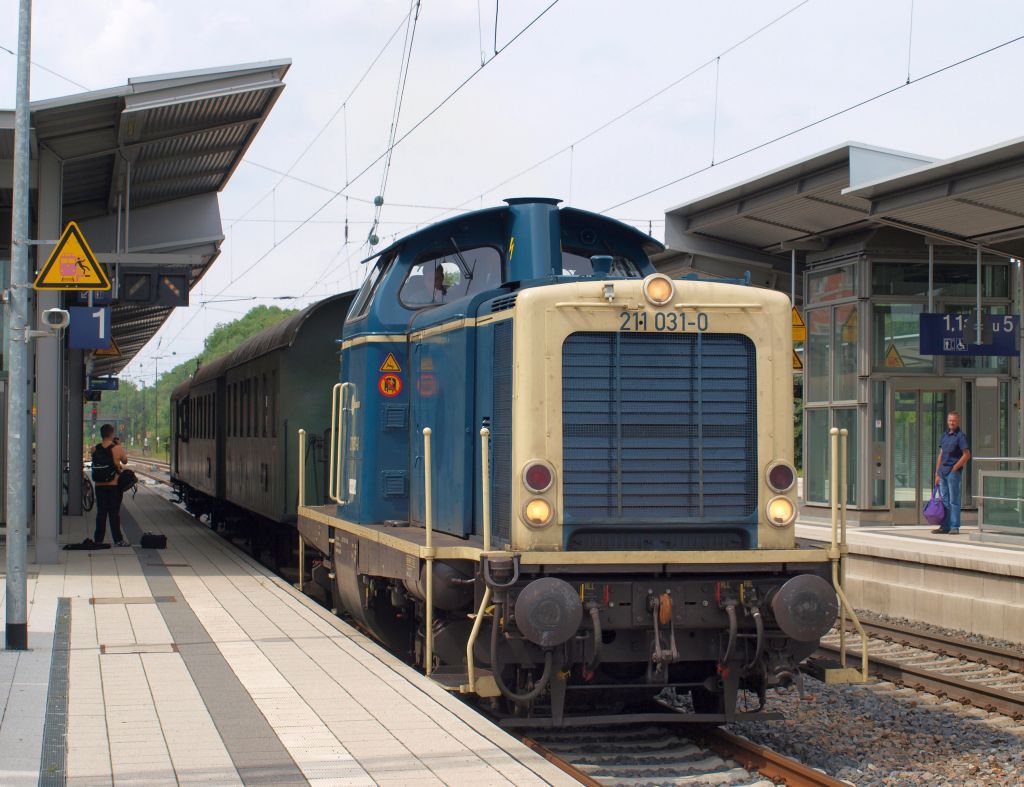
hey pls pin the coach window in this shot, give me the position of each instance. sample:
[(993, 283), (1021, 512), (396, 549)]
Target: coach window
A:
[(449, 276), (264, 407), (273, 403)]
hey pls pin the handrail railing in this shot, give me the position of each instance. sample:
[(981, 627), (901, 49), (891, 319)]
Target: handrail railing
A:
[(838, 548), (335, 470), (428, 524)]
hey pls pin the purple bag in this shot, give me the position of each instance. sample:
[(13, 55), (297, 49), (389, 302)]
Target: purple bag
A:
[(934, 511)]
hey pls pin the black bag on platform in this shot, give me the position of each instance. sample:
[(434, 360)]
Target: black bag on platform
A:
[(153, 541)]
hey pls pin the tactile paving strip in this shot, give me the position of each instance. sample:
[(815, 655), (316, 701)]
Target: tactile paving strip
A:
[(53, 763)]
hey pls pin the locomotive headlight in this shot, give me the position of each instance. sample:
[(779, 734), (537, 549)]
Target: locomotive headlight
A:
[(537, 512), (781, 511), (659, 289), (780, 476)]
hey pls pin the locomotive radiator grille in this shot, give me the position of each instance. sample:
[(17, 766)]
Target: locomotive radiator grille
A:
[(659, 428)]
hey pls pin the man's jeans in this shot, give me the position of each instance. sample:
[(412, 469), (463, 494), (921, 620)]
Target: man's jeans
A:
[(949, 488)]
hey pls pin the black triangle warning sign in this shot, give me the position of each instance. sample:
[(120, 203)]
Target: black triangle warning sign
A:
[(390, 364), (72, 265)]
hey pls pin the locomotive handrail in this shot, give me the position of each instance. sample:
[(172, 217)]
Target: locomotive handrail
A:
[(838, 548), (338, 438), (301, 504), (485, 486), (428, 523)]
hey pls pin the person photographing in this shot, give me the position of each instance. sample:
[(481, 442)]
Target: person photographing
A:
[(108, 459), (954, 453)]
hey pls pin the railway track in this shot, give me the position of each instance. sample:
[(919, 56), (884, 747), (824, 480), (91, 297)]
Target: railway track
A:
[(656, 755), (968, 672)]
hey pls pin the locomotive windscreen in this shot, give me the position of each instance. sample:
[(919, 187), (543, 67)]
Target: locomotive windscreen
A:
[(659, 428)]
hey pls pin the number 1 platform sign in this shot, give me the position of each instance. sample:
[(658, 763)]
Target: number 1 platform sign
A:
[(955, 333), (89, 328)]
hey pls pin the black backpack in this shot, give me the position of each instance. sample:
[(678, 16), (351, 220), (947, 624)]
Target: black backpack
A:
[(103, 470)]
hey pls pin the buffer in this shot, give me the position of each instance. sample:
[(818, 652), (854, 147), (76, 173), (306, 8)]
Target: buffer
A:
[(72, 265)]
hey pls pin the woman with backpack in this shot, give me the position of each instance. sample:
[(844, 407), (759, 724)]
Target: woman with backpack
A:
[(108, 458)]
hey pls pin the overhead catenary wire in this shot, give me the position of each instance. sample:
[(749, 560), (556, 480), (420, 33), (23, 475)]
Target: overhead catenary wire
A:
[(819, 121), (41, 67)]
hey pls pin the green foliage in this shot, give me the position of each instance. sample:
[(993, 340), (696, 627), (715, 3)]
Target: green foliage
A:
[(140, 408), (798, 427)]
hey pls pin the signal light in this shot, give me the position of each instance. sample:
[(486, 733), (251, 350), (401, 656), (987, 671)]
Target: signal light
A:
[(538, 477)]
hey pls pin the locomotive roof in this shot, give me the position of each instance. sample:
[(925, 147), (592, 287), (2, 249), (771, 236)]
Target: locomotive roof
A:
[(281, 335), (649, 244)]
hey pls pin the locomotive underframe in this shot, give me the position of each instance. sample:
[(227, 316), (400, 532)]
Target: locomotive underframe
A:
[(378, 576)]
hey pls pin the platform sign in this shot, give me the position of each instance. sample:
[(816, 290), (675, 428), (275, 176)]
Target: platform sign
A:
[(89, 328), (799, 327), (103, 383), (72, 265), (955, 333)]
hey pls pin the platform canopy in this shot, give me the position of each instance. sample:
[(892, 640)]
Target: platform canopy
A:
[(141, 165), (970, 200)]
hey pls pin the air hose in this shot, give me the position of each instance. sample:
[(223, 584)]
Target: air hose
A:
[(538, 687), (759, 624), (733, 626)]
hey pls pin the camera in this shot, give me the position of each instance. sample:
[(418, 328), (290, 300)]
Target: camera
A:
[(56, 319)]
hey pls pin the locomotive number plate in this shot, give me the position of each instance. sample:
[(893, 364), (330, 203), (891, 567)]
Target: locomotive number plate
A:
[(641, 320)]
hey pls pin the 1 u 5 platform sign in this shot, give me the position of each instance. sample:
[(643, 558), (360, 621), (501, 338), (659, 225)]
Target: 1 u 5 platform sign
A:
[(956, 333)]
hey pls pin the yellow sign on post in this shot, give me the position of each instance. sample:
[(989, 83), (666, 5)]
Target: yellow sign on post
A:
[(799, 328), (113, 351), (72, 265)]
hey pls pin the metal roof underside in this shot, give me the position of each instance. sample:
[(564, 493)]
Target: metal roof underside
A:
[(155, 140), (973, 199)]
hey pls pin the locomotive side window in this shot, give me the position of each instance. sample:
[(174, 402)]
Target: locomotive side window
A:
[(365, 295), (578, 264), (447, 277)]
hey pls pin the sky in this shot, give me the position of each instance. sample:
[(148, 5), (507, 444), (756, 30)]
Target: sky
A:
[(545, 115)]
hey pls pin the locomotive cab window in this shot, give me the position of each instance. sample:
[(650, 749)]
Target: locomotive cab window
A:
[(364, 297), (450, 276), (579, 264)]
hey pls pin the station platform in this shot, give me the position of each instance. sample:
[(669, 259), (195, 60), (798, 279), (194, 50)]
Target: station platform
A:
[(957, 582), (196, 665)]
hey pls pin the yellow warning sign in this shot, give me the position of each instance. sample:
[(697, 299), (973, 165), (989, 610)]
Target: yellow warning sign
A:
[(72, 265), (390, 364), (113, 351), (797, 363), (893, 359), (799, 328)]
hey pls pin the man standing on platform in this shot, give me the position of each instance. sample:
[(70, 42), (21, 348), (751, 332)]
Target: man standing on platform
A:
[(954, 451), (108, 459)]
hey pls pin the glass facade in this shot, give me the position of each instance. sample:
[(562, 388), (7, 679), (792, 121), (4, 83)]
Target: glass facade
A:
[(818, 352), (895, 344), (844, 360), (817, 457), (951, 280), (831, 285)]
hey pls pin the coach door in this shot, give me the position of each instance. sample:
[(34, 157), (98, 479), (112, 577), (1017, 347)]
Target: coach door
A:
[(918, 419)]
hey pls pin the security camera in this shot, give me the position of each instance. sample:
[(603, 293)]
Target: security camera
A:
[(56, 319)]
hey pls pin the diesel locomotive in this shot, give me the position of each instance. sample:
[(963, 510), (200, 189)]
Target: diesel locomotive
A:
[(557, 479)]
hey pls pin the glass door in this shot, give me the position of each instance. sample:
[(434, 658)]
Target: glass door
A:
[(918, 418)]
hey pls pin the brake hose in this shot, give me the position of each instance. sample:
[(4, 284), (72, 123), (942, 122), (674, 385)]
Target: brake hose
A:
[(731, 612), (759, 624), (538, 687)]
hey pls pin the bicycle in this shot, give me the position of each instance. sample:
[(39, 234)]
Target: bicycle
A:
[(88, 491)]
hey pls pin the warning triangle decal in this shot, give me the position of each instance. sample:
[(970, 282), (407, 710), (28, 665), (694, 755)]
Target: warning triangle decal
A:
[(893, 359), (390, 364), (797, 363), (72, 265)]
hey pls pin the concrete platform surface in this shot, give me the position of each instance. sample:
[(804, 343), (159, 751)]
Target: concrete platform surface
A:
[(952, 581), (196, 665)]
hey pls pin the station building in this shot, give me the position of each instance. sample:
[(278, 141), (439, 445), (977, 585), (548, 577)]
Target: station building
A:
[(866, 240)]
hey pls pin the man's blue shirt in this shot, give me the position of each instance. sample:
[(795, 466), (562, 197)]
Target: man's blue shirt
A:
[(953, 444)]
